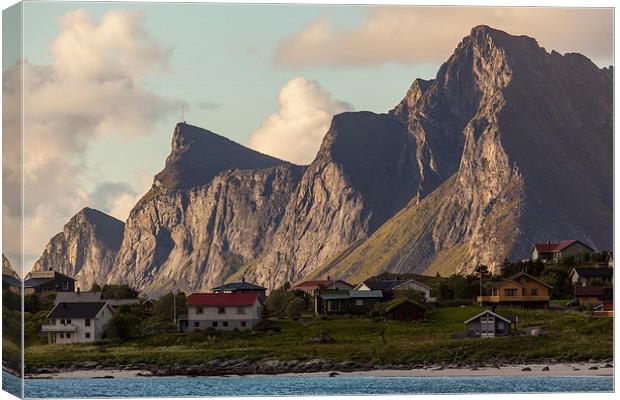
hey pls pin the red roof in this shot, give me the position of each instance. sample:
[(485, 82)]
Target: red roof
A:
[(222, 299), (555, 247), (312, 284)]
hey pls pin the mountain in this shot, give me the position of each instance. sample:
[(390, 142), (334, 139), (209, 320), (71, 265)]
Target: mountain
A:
[(536, 163), (7, 269), (85, 249)]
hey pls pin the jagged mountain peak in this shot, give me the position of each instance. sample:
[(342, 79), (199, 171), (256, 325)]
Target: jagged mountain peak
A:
[(198, 155)]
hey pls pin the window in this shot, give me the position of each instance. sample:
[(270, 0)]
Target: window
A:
[(225, 323), (221, 310), (240, 310), (62, 335), (68, 321), (214, 324), (198, 310), (510, 292), (535, 292), (68, 335), (62, 321), (196, 324), (243, 323), (87, 335), (359, 302), (65, 285), (87, 322)]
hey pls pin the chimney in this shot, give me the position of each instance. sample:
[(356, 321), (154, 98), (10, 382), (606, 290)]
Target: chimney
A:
[(548, 241), (242, 280), (78, 291)]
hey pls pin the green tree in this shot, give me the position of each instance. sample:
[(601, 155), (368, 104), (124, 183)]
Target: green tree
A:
[(412, 294), (123, 325), (296, 307), (119, 292), (95, 287), (164, 306)]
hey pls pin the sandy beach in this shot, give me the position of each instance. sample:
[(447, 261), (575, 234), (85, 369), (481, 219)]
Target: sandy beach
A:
[(568, 369)]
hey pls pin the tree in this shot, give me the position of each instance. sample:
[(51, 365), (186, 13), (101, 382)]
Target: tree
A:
[(412, 294), (296, 307), (164, 306), (481, 271), (95, 287), (119, 292), (123, 325)]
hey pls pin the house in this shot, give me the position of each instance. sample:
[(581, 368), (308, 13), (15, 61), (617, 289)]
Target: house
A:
[(552, 252), (148, 305), (11, 283), (358, 302), (78, 322), (489, 324), (222, 311), (592, 296), (48, 281), (591, 276), (403, 309), (325, 284), (241, 287), (390, 288), (521, 290)]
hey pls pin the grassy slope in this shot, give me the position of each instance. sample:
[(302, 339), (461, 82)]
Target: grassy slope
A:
[(570, 336), (408, 236)]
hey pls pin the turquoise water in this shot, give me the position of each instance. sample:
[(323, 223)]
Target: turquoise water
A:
[(299, 385)]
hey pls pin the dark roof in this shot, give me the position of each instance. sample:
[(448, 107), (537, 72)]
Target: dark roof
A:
[(556, 247), (76, 310), (318, 284), (222, 299), (10, 280), (238, 286), (507, 319), (383, 285), (34, 282), (399, 302), (595, 272), (595, 291)]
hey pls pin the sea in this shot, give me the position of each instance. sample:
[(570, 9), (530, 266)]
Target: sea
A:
[(298, 386)]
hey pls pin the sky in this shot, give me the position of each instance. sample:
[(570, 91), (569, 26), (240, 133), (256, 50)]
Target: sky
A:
[(105, 83)]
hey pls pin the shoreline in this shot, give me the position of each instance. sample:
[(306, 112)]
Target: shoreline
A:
[(503, 370)]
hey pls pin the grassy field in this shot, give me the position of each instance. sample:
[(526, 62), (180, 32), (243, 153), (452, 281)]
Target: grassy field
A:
[(569, 337)]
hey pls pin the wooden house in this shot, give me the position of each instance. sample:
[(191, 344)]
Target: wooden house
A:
[(403, 309), (488, 324), (358, 302), (48, 281), (521, 290)]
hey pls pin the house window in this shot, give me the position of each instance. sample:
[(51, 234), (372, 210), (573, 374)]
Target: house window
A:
[(333, 306), (87, 322), (240, 310), (221, 310), (535, 292), (68, 335), (62, 335), (68, 321), (62, 321), (510, 292), (225, 323), (359, 302), (214, 324), (87, 335), (196, 324), (198, 310), (243, 323)]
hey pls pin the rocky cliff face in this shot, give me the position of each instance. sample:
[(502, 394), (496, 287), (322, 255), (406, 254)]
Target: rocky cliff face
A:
[(85, 249)]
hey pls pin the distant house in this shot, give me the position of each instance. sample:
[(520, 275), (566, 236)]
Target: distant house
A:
[(390, 288), (592, 296), (521, 289), (11, 283), (222, 311), (403, 309), (358, 302), (591, 276), (241, 287), (48, 281), (148, 305), (488, 324), (324, 284), (555, 251), (77, 322)]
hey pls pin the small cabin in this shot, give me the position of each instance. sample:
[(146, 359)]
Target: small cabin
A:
[(403, 309), (488, 324)]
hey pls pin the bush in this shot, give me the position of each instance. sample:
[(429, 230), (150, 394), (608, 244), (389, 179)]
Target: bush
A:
[(123, 326), (296, 307)]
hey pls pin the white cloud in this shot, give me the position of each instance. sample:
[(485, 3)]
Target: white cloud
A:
[(93, 86), (294, 133), (410, 35)]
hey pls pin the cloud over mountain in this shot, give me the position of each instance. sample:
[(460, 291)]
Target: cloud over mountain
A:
[(294, 133)]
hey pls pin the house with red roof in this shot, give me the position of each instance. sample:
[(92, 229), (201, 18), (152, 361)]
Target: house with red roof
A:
[(222, 311), (322, 284), (552, 252)]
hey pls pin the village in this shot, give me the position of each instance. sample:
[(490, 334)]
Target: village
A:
[(565, 278)]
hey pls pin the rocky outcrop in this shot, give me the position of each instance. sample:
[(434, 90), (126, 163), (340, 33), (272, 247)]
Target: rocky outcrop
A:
[(85, 249)]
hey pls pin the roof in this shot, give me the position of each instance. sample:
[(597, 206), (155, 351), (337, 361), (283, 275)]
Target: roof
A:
[(222, 299), (34, 282), (350, 294), (400, 301), (238, 286), (488, 312), (77, 297), (513, 278), (10, 280), (317, 284), (390, 284), (594, 272), (76, 310), (595, 291), (122, 302), (556, 247)]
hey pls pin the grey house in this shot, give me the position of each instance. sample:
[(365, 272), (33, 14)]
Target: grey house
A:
[(488, 324)]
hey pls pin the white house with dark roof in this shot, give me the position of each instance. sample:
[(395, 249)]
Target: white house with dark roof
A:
[(391, 287), (77, 322)]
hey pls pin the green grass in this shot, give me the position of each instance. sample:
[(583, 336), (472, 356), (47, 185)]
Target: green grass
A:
[(569, 336)]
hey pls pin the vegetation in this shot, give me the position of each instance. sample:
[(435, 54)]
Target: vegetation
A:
[(569, 336)]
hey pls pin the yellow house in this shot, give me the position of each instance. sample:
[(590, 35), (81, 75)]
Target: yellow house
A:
[(522, 290)]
